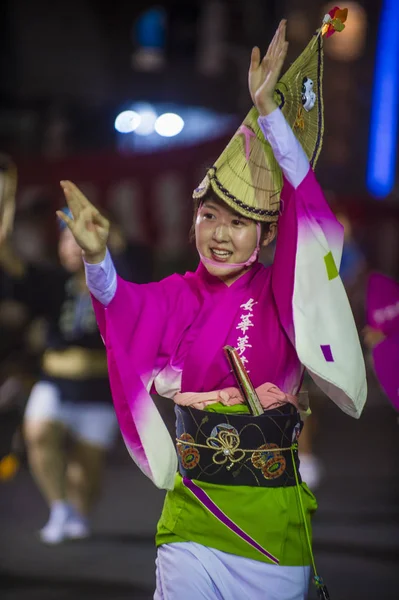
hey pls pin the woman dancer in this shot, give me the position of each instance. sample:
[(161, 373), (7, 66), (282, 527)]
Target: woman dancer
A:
[(236, 519)]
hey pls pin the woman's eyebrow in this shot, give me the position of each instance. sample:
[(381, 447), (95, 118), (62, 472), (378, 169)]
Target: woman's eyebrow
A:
[(210, 204)]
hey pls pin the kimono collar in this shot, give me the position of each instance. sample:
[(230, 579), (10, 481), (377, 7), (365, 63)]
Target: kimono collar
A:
[(213, 284)]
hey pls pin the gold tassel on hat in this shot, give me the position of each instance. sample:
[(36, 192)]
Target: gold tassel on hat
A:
[(334, 21)]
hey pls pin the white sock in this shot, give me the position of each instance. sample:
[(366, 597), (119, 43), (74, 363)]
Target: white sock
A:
[(60, 506), (60, 511), (311, 470)]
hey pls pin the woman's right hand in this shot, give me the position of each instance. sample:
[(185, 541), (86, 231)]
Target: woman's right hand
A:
[(88, 226), (264, 73)]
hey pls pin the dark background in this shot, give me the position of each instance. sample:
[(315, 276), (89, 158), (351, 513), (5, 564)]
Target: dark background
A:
[(66, 70)]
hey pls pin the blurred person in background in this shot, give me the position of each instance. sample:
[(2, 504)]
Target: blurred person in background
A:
[(236, 518), (10, 388), (26, 255), (381, 334), (71, 401), (8, 188)]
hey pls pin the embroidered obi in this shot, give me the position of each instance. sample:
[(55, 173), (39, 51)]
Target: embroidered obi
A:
[(239, 449)]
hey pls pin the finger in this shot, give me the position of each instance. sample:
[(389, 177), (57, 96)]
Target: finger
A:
[(279, 38), (67, 220), (80, 197), (283, 31), (255, 59), (73, 202), (68, 186), (282, 55), (279, 60), (284, 50), (271, 49)]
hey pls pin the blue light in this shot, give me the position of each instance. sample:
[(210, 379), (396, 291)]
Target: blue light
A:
[(177, 126), (384, 114), (150, 28)]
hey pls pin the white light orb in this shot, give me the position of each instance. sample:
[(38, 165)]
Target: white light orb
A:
[(169, 124), (148, 117), (127, 121)]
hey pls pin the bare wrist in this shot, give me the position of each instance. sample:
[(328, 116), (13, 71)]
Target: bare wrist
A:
[(94, 258), (265, 108)]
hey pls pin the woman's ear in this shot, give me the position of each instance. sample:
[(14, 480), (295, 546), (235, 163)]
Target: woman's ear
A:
[(271, 234)]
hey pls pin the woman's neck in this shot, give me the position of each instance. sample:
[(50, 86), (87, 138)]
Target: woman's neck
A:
[(229, 278)]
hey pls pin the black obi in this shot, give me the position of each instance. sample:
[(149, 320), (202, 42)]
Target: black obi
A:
[(233, 449)]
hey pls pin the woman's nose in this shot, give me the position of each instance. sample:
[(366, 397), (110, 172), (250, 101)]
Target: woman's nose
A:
[(221, 233)]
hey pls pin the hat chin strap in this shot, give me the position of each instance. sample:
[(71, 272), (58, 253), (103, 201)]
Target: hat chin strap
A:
[(248, 263)]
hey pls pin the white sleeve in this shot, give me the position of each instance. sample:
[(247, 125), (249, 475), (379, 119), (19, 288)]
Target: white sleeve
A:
[(286, 148), (101, 279)]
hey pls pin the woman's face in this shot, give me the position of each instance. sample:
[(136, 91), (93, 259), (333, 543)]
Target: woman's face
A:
[(224, 237)]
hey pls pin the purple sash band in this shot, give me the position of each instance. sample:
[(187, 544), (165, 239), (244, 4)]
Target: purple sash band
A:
[(220, 515)]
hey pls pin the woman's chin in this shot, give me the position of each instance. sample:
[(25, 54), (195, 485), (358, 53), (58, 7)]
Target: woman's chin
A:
[(223, 271)]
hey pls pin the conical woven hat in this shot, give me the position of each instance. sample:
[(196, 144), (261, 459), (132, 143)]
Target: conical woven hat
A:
[(246, 175)]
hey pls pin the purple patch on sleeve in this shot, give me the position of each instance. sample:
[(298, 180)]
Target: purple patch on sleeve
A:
[(327, 353)]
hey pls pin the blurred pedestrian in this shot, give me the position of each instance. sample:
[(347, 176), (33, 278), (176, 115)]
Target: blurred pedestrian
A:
[(10, 410), (381, 334), (8, 188), (72, 399)]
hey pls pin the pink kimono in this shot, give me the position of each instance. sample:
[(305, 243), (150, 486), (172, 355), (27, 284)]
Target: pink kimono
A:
[(169, 336)]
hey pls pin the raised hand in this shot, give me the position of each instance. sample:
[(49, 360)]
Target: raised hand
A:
[(264, 73), (89, 228)]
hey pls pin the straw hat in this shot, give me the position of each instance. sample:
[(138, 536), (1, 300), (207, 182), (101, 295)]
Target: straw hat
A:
[(246, 175)]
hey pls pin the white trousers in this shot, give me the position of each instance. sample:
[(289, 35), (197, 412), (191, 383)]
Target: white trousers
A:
[(91, 422), (189, 570)]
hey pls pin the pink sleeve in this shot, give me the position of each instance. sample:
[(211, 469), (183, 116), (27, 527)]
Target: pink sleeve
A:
[(141, 328), (305, 214), (386, 361), (311, 299)]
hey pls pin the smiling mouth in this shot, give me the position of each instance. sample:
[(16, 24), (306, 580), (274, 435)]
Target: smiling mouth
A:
[(220, 255)]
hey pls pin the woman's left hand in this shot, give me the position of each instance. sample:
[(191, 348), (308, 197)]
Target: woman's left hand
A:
[(264, 73)]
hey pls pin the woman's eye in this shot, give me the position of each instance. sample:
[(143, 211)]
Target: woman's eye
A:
[(208, 216), (237, 222)]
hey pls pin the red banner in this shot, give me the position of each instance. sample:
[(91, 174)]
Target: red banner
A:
[(150, 194)]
